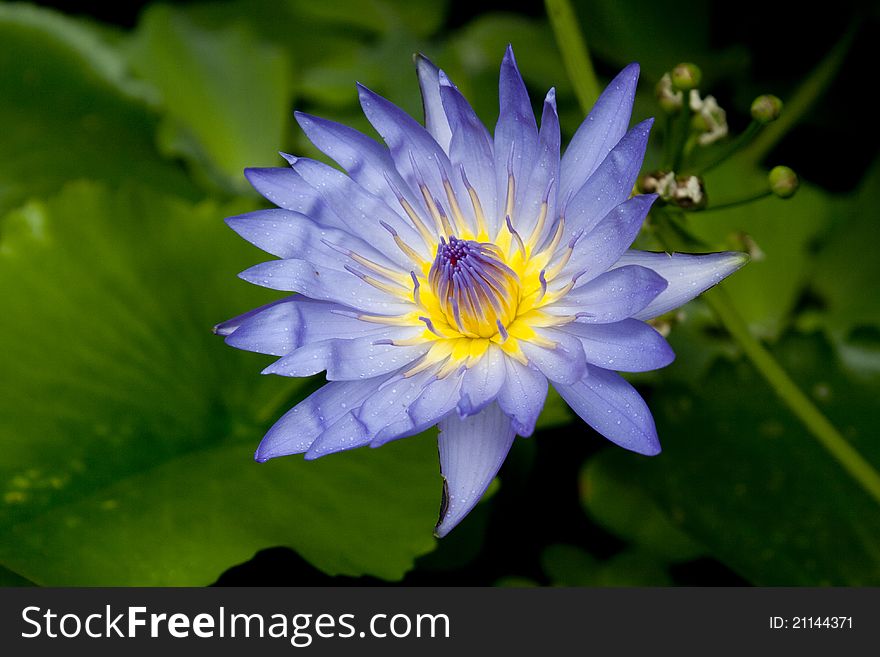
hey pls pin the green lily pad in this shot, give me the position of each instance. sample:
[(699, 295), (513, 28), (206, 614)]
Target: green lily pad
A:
[(226, 95), (70, 111), (623, 508), (127, 429), (743, 477)]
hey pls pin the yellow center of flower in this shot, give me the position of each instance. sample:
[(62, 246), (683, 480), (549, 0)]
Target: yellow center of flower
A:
[(476, 290)]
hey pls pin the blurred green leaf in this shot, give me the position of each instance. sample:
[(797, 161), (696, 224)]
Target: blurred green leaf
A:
[(515, 582), (127, 428), (743, 477), (226, 95), (783, 232), (9, 578), (624, 509), (69, 111), (567, 565), (846, 281)]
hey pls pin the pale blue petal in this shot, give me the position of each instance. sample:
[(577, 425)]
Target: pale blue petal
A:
[(471, 148), (611, 183), (367, 161), (436, 400), (610, 405), (362, 212), (289, 234), (344, 434), (482, 382), (688, 275), (435, 116), (516, 136), (286, 189), (596, 251), (563, 364), (522, 396), (612, 296), (283, 327), (627, 346), (472, 450), (320, 282), (349, 359), (543, 181), (387, 405), (600, 131), (416, 154), (231, 325), (297, 429)]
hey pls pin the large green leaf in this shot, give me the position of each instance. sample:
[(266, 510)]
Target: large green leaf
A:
[(127, 428), (612, 501), (69, 111), (226, 94), (567, 565), (742, 476)]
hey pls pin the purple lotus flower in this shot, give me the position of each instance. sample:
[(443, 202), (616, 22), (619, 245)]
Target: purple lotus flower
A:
[(452, 274)]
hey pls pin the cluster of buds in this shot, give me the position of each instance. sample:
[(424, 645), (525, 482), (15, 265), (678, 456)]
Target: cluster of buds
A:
[(698, 120), (687, 192)]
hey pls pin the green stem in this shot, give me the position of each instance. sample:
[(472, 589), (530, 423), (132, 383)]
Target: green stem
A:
[(799, 404), (740, 141), (575, 54), (568, 37), (743, 201), (682, 130)]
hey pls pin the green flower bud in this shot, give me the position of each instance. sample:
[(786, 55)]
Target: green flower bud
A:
[(783, 182), (686, 76), (766, 108)]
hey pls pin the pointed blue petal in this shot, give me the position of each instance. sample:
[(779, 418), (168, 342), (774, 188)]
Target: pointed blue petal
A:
[(346, 433), (286, 189), (543, 181), (367, 161), (348, 359), (231, 325), (436, 400), (563, 364), (361, 212), (289, 234), (627, 346), (320, 282), (610, 405), (297, 429), (611, 183), (516, 137), (522, 396), (612, 296), (283, 327), (472, 450), (471, 148), (688, 275), (599, 249), (600, 131), (482, 381), (435, 116), (416, 154)]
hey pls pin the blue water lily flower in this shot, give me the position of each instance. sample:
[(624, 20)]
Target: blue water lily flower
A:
[(451, 273)]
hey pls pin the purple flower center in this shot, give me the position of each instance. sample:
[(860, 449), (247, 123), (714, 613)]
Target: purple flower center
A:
[(477, 292)]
